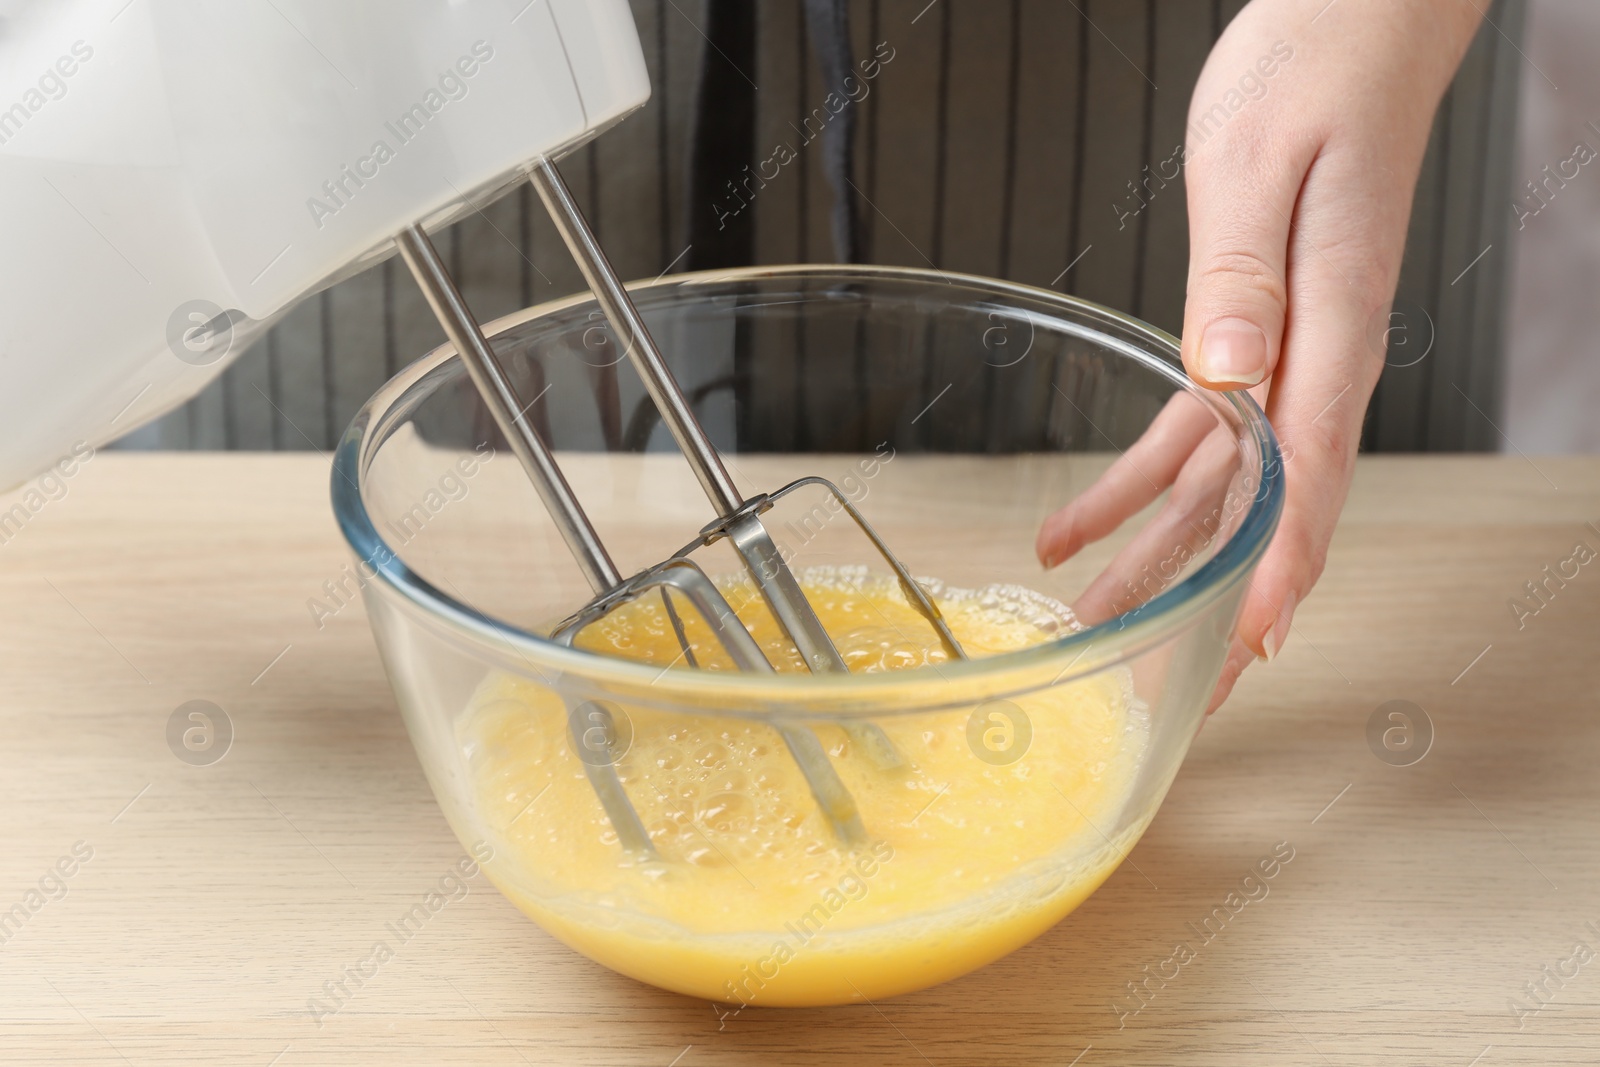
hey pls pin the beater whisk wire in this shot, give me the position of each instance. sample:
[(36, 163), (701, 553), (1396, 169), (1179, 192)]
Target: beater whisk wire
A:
[(738, 521)]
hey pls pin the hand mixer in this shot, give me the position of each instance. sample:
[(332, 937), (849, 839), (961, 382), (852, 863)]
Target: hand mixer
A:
[(739, 521), (197, 168)]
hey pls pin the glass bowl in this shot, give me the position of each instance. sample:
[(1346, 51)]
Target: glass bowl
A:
[(959, 414)]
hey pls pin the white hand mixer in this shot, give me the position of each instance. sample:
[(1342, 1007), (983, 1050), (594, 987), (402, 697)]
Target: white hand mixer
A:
[(192, 169)]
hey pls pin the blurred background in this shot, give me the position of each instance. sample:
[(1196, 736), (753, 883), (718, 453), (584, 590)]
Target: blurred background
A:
[(1013, 138)]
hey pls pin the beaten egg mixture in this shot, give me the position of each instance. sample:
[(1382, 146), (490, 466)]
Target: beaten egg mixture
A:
[(988, 835)]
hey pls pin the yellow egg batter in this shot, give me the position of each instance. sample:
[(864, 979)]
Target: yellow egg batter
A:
[(753, 900)]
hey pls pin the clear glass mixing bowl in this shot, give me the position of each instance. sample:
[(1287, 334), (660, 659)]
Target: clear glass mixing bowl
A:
[(960, 414)]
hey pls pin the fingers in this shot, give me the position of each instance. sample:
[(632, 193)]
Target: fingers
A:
[(1161, 553), (1336, 148), (1317, 410), (1239, 657), (1242, 192), (1319, 395), (1136, 478)]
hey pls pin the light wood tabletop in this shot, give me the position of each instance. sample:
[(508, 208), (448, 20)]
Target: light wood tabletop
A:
[(1443, 912)]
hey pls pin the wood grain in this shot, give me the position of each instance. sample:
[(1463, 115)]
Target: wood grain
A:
[(219, 899)]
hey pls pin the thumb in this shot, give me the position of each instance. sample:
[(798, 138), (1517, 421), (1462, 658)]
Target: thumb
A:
[(1239, 223)]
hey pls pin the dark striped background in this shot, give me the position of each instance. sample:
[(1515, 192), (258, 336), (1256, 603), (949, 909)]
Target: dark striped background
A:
[(995, 141)]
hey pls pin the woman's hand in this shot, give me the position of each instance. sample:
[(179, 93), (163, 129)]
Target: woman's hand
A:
[(1299, 199)]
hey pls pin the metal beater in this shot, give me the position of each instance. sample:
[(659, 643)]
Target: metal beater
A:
[(738, 520)]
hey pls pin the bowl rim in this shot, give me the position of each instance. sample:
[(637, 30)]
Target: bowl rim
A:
[(1060, 659)]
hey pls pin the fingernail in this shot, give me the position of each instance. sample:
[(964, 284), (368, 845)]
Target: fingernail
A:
[(1234, 351), (1273, 641)]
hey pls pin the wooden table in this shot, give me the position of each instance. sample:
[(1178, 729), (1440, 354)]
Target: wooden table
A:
[(216, 900)]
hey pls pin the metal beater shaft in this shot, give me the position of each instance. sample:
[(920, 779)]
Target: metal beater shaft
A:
[(748, 536), (740, 518), (494, 386)]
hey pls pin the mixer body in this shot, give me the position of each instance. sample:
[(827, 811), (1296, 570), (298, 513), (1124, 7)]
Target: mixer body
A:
[(177, 173)]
